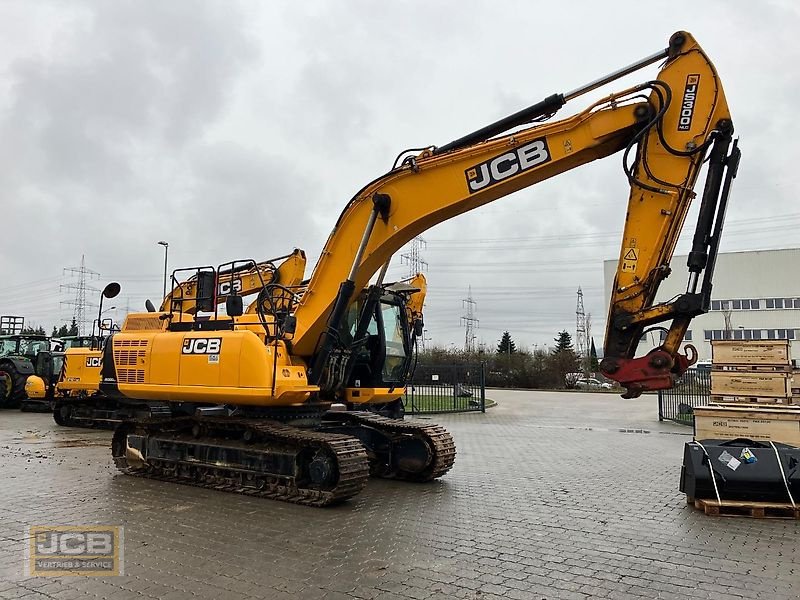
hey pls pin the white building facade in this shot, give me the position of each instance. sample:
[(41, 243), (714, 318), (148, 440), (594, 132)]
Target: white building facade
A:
[(756, 296)]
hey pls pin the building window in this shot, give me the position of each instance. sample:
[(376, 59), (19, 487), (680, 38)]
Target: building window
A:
[(756, 334), (797, 302), (737, 305), (755, 304), (688, 336), (770, 303), (715, 305), (770, 334), (707, 333), (790, 334)]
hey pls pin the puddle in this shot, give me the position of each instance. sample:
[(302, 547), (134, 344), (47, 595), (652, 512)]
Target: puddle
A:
[(80, 443)]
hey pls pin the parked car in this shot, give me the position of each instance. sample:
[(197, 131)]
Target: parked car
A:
[(590, 383)]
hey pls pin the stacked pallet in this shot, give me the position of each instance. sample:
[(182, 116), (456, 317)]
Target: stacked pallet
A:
[(752, 393), (752, 372), (753, 397)]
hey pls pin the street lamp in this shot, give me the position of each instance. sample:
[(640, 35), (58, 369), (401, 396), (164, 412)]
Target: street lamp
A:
[(166, 252)]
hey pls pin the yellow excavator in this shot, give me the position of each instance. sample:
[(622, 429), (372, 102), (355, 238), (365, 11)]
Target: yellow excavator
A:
[(283, 402)]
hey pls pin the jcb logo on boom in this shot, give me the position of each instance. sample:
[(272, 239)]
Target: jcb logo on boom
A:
[(511, 163), (201, 346), (93, 361), (688, 102), (230, 287)]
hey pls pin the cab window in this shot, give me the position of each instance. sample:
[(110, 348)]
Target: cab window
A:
[(394, 365)]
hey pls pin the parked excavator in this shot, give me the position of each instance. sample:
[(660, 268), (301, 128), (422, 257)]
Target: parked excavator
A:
[(283, 400)]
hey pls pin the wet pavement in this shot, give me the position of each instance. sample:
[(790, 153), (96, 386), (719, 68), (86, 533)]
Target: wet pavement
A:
[(553, 495)]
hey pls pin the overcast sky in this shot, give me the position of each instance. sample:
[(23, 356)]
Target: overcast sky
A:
[(241, 129)]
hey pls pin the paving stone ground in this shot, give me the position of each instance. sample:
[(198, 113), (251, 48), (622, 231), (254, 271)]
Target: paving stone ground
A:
[(553, 495)]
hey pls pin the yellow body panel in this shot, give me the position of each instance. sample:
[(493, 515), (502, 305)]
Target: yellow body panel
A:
[(35, 388), (232, 367), (373, 395), (81, 373)]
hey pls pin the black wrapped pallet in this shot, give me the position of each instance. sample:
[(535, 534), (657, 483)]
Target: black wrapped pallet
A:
[(743, 469)]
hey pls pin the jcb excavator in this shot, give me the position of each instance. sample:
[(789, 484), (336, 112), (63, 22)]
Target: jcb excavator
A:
[(283, 398)]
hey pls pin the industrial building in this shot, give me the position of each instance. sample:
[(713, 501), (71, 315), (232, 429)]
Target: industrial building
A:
[(756, 296)]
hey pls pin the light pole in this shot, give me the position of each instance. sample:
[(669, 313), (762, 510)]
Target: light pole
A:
[(166, 252)]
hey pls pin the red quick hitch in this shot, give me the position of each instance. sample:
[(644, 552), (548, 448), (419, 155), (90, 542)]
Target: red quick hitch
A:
[(657, 370)]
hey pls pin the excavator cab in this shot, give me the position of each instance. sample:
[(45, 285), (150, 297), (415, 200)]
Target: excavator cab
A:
[(381, 356)]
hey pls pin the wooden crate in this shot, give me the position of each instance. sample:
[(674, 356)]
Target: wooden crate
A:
[(756, 384), (778, 424), (754, 368), (751, 352), (736, 400)]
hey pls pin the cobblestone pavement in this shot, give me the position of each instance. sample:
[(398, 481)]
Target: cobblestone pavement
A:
[(553, 495)]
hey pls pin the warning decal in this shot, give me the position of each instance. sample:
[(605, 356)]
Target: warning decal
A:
[(629, 259)]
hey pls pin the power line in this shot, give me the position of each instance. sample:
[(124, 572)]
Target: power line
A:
[(413, 257), (80, 288), (469, 321), (581, 344)]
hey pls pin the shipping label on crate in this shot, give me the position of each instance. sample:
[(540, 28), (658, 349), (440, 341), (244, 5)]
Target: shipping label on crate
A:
[(734, 383), (764, 352), (727, 428)]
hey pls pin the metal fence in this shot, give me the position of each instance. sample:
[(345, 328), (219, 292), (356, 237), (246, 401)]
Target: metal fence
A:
[(678, 404), (447, 388)]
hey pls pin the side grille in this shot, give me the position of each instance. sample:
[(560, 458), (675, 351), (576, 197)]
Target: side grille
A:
[(128, 358), (127, 353), (143, 324), (130, 375), (128, 343)]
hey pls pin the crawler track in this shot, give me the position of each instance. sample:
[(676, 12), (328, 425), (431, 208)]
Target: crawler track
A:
[(103, 413), (440, 445), (246, 456)]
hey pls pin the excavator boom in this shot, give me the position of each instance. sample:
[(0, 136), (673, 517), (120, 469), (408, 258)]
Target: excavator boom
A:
[(665, 126)]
